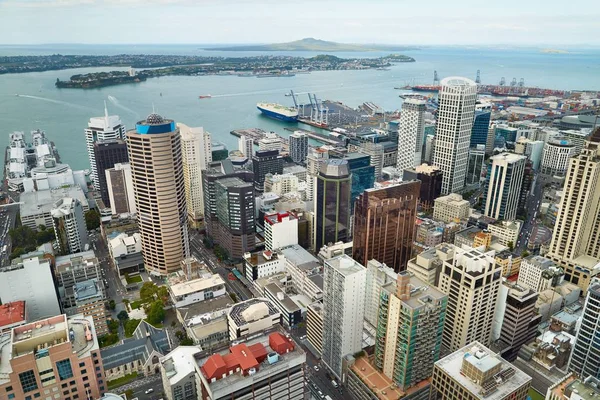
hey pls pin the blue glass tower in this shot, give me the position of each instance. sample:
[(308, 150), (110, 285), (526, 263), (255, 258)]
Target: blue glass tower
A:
[(481, 124), (363, 175)]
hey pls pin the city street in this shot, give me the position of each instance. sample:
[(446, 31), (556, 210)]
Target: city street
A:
[(534, 200)]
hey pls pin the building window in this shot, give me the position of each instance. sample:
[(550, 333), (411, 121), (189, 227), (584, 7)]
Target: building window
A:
[(28, 382), (64, 369)]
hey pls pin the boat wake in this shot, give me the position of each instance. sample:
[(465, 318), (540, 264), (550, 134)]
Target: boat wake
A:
[(117, 104), (63, 103)]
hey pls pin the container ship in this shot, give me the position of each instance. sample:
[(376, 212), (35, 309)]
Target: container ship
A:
[(277, 111)]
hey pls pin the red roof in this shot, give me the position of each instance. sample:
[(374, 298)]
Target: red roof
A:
[(214, 367), (280, 343), (12, 313), (259, 352), (244, 356)]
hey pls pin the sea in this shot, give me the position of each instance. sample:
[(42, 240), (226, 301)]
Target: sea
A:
[(64, 113)]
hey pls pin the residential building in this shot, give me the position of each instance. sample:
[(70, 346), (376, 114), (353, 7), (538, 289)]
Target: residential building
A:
[(480, 129), (72, 269), (584, 358), (533, 149), (281, 230), (291, 314), (265, 162), (556, 155), (575, 241), (313, 160), (431, 183), (298, 142), (378, 275), (246, 146), (411, 133), (69, 226), (507, 133), (36, 207), (192, 291), (409, 330), (453, 131), (577, 137), (507, 232), (270, 141), (107, 154), (101, 129), (510, 263), (120, 189), (263, 264), (155, 152), (427, 265), (376, 152), (196, 151), (12, 314), (429, 148), (252, 316), (281, 184), (305, 270), (539, 273), (57, 356), (126, 253), (525, 192), (332, 203), (180, 373), (474, 372), (343, 311), (471, 279), (503, 186), (384, 222), (30, 279), (90, 301), (451, 208), (314, 325)]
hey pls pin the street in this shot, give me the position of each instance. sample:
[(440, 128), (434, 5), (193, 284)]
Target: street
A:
[(534, 199)]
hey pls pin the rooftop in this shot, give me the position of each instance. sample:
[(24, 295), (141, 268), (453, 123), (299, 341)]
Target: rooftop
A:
[(83, 259), (300, 257), (586, 390), (12, 313), (345, 265), (421, 293), (283, 298), (251, 310), (43, 201), (196, 285), (88, 290)]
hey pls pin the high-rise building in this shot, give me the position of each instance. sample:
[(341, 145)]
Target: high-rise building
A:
[(378, 275), (453, 131), (69, 226), (120, 189), (528, 177), (298, 142), (503, 186), (157, 172), (584, 358), (403, 353), (102, 129), (246, 146), (332, 203), (281, 230), (384, 224), (431, 183), (471, 279), (363, 175), (575, 241), (343, 310), (410, 133), (481, 127), (429, 149), (556, 155), (314, 158), (539, 273), (107, 154), (265, 162), (376, 152), (52, 358), (196, 152), (270, 142), (475, 165), (475, 372)]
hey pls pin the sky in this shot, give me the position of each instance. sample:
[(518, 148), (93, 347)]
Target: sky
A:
[(410, 22)]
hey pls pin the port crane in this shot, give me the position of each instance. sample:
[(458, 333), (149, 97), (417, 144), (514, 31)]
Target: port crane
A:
[(478, 78), (513, 82), (502, 81), (522, 82), (436, 78)]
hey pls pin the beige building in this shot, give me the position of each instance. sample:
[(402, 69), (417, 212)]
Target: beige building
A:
[(157, 172), (451, 208), (314, 325), (506, 231)]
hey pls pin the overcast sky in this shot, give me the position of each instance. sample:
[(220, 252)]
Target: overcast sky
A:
[(518, 22)]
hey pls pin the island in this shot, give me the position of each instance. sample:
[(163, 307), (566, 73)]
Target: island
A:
[(312, 44), (258, 66)]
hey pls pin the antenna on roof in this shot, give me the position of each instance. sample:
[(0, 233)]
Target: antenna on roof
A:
[(153, 111), (105, 113)]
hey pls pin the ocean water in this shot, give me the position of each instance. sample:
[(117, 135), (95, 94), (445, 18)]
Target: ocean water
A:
[(64, 113)]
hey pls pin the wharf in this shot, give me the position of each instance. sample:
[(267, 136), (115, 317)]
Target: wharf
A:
[(256, 134), (319, 137)]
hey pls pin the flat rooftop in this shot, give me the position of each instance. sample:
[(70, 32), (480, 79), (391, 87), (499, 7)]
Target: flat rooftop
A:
[(300, 257), (196, 285), (254, 307), (345, 265), (42, 201), (12, 313), (283, 298), (88, 290), (421, 293), (587, 390)]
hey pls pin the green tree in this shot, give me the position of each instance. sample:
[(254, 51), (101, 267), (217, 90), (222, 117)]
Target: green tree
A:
[(148, 291), (130, 326), (155, 313), (113, 326), (525, 253), (111, 304), (129, 393), (510, 245), (123, 316), (92, 219)]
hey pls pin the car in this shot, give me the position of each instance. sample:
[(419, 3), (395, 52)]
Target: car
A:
[(321, 395), (148, 391), (334, 383), (316, 368)]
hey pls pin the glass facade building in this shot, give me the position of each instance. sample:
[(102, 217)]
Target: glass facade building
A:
[(363, 175), (481, 126)]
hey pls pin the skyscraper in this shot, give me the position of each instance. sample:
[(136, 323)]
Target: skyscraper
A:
[(481, 128), (265, 162), (343, 310), (363, 175), (157, 173), (410, 134), (332, 203), (503, 186), (298, 142), (101, 129), (197, 154), (384, 224), (315, 156), (69, 226), (453, 131), (246, 146), (376, 152), (575, 241), (409, 330), (120, 189), (107, 154), (584, 358), (431, 183)]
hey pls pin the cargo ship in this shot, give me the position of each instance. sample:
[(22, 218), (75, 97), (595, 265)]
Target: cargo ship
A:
[(277, 111), (426, 88)]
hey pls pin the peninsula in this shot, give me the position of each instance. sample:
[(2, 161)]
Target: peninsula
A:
[(311, 44)]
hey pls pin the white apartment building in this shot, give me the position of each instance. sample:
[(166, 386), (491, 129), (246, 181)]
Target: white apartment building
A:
[(246, 146), (281, 184), (451, 208), (281, 230), (251, 316), (124, 244), (315, 156), (556, 155), (69, 226), (270, 141), (263, 264), (506, 231), (453, 131), (305, 270), (410, 133), (196, 290), (378, 275), (539, 273)]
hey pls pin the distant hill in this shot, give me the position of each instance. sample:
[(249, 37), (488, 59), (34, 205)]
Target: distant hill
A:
[(311, 44)]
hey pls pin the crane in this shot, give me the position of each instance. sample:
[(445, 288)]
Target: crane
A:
[(502, 81), (478, 78), (513, 82), (436, 79)]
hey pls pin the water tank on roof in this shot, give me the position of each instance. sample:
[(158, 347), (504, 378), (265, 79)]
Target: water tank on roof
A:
[(272, 358)]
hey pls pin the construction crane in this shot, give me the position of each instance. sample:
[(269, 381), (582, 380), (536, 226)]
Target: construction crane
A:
[(502, 81), (522, 82), (478, 78), (436, 79)]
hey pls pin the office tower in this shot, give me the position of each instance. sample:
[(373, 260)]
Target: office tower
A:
[(69, 226), (481, 128), (196, 153), (120, 189), (431, 183), (575, 241), (101, 129), (584, 358), (503, 186), (410, 133), (281, 230), (157, 172), (475, 165), (343, 310), (363, 175), (314, 325), (313, 160), (376, 152), (451, 208), (475, 372), (384, 224), (30, 279), (107, 154), (453, 131), (507, 133), (429, 149), (298, 142), (246, 146), (409, 330), (265, 162), (52, 356), (556, 155), (539, 273), (471, 280), (332, 203)]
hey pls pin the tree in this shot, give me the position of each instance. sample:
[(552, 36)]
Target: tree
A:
[(130, 326), (148, 291), (510, 245), (111, 304), (123, 316), (129, 393), (155, 313), (92, 219), (113, 326), (525, 253)]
